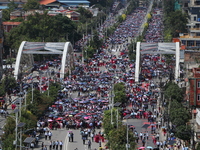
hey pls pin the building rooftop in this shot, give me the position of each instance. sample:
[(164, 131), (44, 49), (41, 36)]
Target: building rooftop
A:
[(11, 23)]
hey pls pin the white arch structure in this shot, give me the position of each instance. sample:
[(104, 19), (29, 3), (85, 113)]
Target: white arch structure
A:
[(157, 48), (63, 48)]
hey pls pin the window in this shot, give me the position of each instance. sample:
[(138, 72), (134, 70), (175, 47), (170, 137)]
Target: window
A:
[(195, 18), (198, 42), (198, 97), (190, 43), (198, 84)]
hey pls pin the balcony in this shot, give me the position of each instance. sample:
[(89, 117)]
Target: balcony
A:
[(188, 36), (195, 30)]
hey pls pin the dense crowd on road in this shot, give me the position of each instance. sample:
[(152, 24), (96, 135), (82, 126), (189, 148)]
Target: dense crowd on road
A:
[(155, 27), (86, 93)]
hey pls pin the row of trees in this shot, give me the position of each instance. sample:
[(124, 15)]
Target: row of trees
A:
[(114, 128), (178, 115), (174, 21), (29, 114)]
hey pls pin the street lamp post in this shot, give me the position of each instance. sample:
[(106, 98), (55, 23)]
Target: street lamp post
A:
[(32, 93), (20, 125), (16, 122), (112, 102), (127, 129)]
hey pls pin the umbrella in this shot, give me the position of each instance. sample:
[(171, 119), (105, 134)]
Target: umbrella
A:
[(145, 126), (60, 118), (50, 120), (50, 115), (141, 148), (150, 147), (171, 142), (86, 117)]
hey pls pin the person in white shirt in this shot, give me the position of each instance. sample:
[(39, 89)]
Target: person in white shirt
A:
[(141, 135), (61, 144)]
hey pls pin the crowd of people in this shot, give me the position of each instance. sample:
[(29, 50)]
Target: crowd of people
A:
[(86, 93), (155, 28)]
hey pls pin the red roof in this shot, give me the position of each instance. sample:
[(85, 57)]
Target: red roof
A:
[(45, 2), (11, 23)]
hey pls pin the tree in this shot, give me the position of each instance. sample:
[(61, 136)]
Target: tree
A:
[(31, 4), (176, 22), (96, 43), (9, 135), (184, 132), (117, 138), (5, 14), (84, 14), (42, 27), (120, 93), (173, 92), (12, 6), (9, 83)]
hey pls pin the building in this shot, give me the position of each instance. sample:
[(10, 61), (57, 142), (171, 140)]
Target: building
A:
[(51, 3), (76, 3), (73, 15), (1, 46), (194, 88), (192, 39), (9, 25), (17, 14)]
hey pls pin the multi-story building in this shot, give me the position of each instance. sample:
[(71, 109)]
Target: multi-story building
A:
[(1, 45), (194, 88), (192, 39)]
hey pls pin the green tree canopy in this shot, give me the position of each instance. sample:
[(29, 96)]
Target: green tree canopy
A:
[(42, 27), (120, 93), (184, 132), (173, 92), (176, 22), (9, 83), (5, 14), (117, 138), (31, 4), (12, 6)]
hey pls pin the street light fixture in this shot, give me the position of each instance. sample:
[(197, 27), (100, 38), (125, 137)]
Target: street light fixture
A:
[(127, 142), (21, 125), (16, 122)]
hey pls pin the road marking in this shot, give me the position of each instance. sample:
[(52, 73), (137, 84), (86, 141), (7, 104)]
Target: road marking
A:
[(66, 143)]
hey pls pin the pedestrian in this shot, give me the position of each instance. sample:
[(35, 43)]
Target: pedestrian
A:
[(158, 144), (57, 142), (50, 135), (69, 136), (54, 145), (141, 135), (99, 143), (61, 144), (147, 135), (89, 144), (72, 136), (46, 134), (83, 138), (32, 145), (137, 139), (50, 145), (143, 142), (42, 145), (92, 136), (44, 148)]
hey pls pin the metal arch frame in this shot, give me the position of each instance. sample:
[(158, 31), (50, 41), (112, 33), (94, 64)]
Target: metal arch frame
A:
[(177, 67), (67, 50), (67, 47), (19, 54)]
